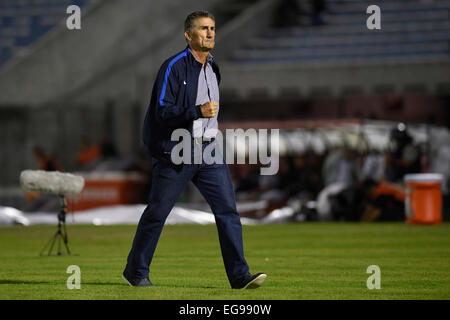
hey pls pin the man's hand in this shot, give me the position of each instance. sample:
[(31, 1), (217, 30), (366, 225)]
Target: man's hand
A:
[(209, 109)]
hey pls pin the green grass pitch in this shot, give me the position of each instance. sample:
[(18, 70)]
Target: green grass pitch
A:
[(303, 261)]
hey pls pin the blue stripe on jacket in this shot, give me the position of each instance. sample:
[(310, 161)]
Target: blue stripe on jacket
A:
[(166, 75)]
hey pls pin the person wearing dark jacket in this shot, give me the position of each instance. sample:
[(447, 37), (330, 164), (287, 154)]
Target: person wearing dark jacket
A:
[(186, 96)]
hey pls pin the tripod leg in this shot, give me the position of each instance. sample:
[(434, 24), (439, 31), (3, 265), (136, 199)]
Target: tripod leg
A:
[(66, 240), (50, 244), (55, 238), (61, 234), (59, 253)]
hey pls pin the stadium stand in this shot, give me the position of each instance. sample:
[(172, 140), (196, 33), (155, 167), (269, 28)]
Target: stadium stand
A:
[(342, 55), (23, 22), (412, 30)]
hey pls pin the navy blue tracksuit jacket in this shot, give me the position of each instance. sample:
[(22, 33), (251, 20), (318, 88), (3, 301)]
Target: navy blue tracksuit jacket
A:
[(172, 103)]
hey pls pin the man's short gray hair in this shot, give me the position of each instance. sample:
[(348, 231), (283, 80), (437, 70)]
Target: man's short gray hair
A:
[(189, 22)]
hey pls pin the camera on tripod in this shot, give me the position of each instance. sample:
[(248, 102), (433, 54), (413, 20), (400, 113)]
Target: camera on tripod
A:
[(58, 183)]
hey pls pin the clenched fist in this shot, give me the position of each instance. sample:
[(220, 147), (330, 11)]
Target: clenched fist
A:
[(209, 109)]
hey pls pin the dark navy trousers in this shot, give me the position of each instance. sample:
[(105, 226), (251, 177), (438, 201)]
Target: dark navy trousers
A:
[(168, 182)]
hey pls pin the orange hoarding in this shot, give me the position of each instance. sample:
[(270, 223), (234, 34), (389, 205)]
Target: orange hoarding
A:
[(109, 189)]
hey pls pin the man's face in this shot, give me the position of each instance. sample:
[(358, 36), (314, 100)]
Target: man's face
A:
[(202, 36)]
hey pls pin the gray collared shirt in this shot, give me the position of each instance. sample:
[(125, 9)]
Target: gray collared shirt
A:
[(208, 90)]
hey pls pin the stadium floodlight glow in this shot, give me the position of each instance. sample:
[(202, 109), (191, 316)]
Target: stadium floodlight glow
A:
[(57, 183)]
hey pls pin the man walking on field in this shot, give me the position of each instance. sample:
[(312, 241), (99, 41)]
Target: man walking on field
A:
[(186, 96)]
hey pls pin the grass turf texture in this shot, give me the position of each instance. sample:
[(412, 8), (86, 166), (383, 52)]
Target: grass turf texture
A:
[(303, 261)]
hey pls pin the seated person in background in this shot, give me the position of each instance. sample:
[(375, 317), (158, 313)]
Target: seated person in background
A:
[(385, 202), (45, 161), (403, 156), (88, 153), (368, 202)]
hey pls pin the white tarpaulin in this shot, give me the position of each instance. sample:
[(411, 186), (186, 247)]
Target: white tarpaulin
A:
[(126, 214)]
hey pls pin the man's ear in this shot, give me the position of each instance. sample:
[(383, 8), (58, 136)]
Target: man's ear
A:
[(187, 36)]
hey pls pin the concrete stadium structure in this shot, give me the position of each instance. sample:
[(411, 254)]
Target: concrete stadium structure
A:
[(97, 81)]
